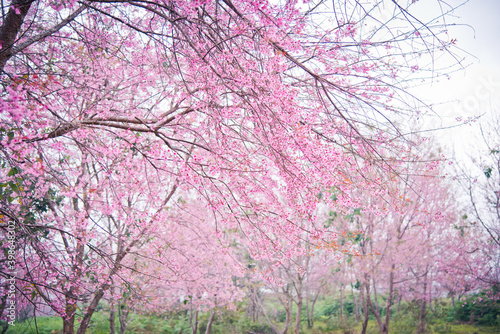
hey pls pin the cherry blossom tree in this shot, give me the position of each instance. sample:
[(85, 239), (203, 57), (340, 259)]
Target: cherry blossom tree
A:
[(477, 176), (412, 243), (112, 111), (184, 267), (298, 281)]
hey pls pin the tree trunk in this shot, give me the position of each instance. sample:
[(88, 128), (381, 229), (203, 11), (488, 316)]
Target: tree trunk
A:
[(209, 324), (112, 310), (123, 313), (289, 311), (69, 320), (90, 311), (112, 319), (308, 314), (341, 303), (298, 314), (375, 310), (10, 28), (423, 310), (356, 305), (312, 308), (2, 309), (254, 304), (194, 324), (4, 330), (389, 300), (366, 308)]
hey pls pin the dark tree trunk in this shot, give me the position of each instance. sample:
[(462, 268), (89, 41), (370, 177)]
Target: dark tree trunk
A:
[(10, 28), (112, 319), (3, 308), (423, 309), (69, 320)]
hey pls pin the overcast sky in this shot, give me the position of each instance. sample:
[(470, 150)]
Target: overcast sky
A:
[(475, 90)]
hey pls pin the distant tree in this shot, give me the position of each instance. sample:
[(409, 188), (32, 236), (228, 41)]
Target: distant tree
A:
[(478, 176)]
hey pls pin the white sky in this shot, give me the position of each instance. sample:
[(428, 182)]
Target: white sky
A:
[(475, 90)]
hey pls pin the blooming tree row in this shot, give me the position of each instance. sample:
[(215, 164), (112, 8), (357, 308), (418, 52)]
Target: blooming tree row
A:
[(140, 137)]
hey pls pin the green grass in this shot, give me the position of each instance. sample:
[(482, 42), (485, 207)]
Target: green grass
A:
[(442, 318), (45, 325), (236, 325)]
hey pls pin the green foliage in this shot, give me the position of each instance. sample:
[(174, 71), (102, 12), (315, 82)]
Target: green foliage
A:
[(488, 171), (478, 309), (169, 323), (45, 325), (329, 310), (441, 328), (261, 329)]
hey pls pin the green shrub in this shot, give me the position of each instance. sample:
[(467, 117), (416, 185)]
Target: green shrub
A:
[(261, 329), (478, 309)]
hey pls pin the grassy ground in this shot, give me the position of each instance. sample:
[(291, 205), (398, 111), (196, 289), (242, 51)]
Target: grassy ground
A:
[(157, 325), (441, 319)]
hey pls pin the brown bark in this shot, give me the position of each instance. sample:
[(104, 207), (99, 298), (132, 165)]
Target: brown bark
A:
[(298, 313), (366, 310), (423, 313), (253, 308), (112, 320), (210, 322), (123, 316), (2, 309), (423, 309), (389, 299), (342, 304), (90, 309), (11, 27), (308, 313), (356, 305), (375, 310), (70, 310), (288, 318), (312, 308), (194, 324), (5, 328), (69, 320), (288, 305)]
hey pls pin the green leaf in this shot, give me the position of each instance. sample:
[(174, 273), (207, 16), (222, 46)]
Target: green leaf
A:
[(13, 171), (487, 171)]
